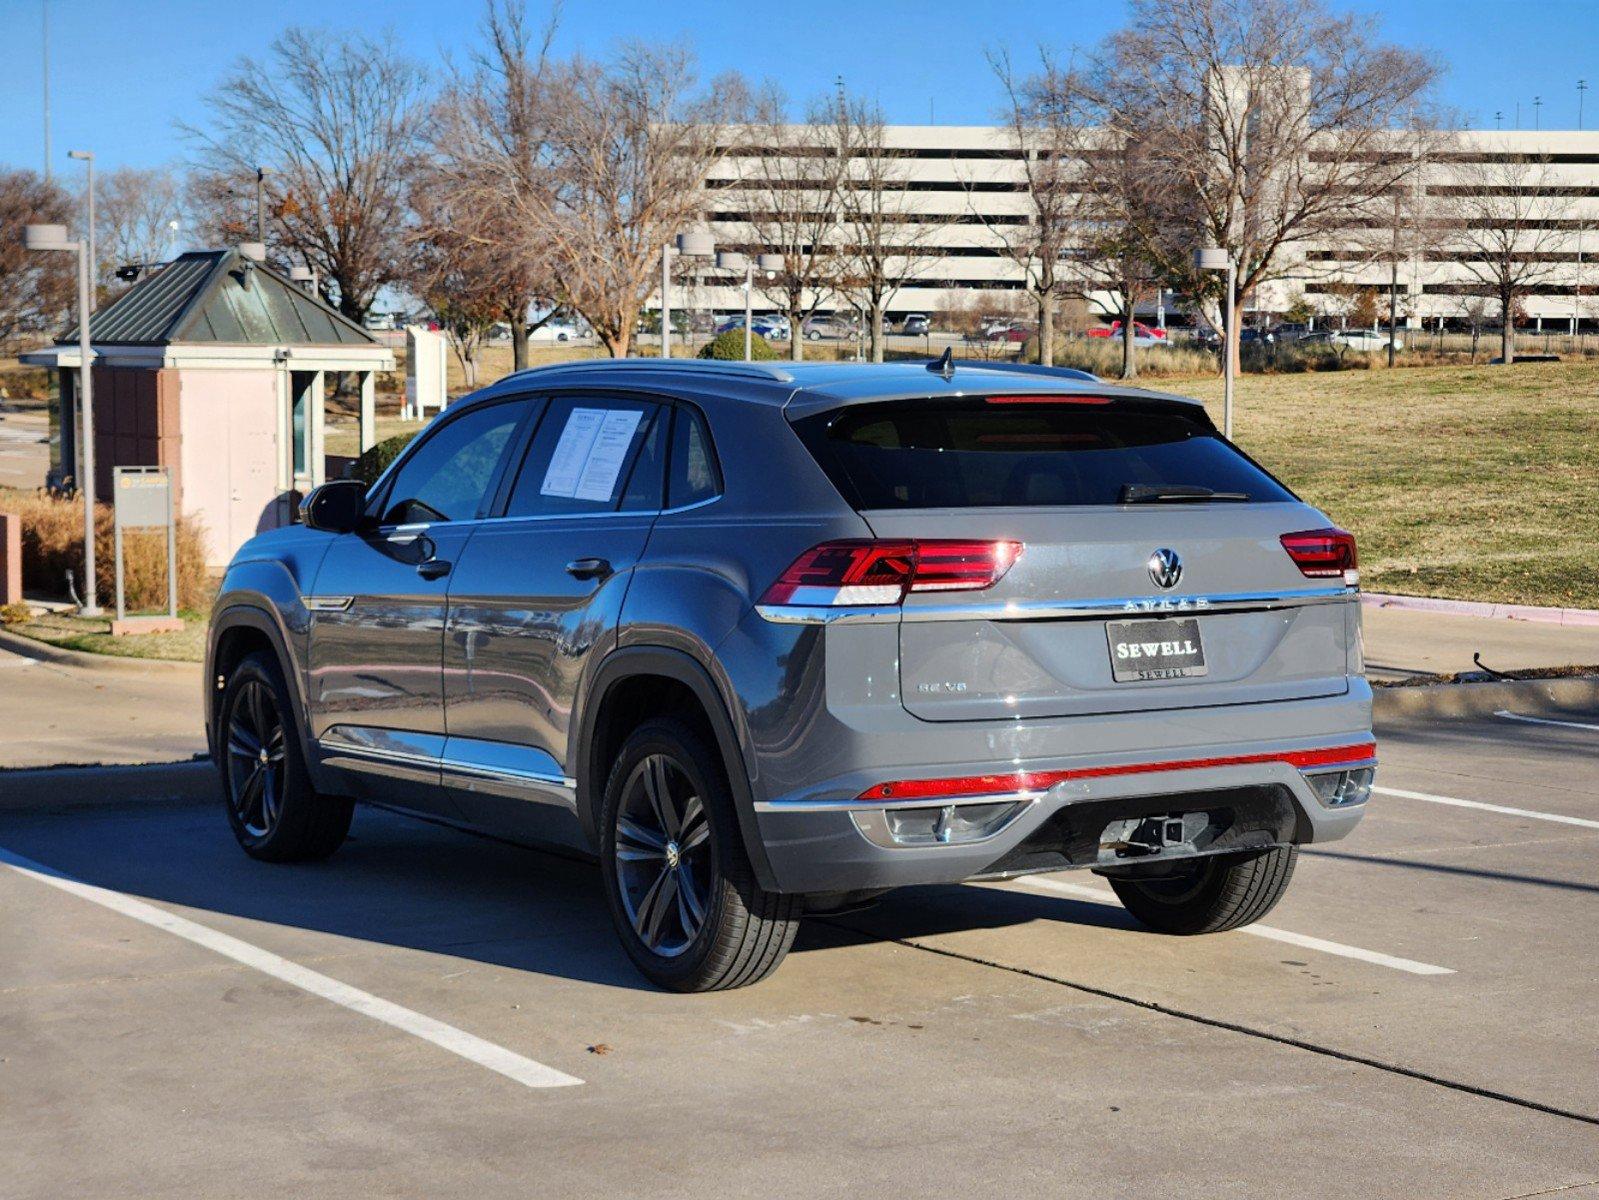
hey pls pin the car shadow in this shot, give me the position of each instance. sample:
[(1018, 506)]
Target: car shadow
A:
[(418, 885)]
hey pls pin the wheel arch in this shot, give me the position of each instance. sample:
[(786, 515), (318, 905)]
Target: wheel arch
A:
[(638, 673), (236, 632)]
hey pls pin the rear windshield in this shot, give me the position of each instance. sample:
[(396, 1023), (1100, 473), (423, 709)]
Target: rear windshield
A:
[(1008, 452)]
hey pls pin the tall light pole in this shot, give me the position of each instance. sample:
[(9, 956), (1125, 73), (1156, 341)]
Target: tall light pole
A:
[(1537, 112), (1582, 87), (690, 245), (54, 237), (1214, 258), (87, 158), (732, 260), (44, 8)]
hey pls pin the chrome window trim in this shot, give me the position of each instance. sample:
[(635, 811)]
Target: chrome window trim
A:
[(1063, 610)]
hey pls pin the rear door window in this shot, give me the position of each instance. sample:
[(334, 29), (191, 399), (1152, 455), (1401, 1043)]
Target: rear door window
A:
[(1014, 451), (583, 459), (694, 476)]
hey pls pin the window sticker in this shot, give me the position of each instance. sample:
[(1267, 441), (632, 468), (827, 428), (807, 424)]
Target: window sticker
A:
[(590, 454)]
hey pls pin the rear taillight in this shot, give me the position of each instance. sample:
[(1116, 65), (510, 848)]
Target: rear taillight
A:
[(883, 572), (1324, 554)]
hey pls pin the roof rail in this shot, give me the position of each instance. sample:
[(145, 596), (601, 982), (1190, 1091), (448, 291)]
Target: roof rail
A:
[(771, 372)]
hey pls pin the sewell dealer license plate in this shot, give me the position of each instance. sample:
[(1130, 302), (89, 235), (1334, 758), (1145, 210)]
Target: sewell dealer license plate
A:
[(1168, 649)]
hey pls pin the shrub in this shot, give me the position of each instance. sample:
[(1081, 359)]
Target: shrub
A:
[(1103, 356), (15, 614), (729, 347), (376, 460), (52, 545)]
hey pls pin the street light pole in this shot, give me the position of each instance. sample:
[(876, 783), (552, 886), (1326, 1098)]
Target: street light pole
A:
[(1582, 87), (1215, 258), (54, 237), (87, 158), (666, 300)]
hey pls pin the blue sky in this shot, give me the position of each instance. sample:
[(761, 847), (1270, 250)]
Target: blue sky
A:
[(124, 71)]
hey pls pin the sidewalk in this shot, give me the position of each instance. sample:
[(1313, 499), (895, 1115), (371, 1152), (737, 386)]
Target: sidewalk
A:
[(60, 710), (1400, 643)]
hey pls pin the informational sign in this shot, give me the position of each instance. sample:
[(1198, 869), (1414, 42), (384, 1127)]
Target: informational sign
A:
[(142, 499), (425, 372), (591, 453)]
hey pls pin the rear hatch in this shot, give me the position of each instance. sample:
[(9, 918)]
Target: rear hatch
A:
[(1151, 574)]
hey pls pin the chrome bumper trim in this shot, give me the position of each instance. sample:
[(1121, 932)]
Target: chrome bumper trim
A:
[(1056, 610)]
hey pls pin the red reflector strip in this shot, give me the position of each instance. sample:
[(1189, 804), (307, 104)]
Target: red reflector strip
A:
[(1063, 399), (1038, 781)]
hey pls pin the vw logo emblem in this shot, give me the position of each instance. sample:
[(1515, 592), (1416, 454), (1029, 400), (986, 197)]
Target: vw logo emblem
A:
[(1165, 568)]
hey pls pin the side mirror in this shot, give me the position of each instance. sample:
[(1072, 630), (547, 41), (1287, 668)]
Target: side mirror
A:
[(338, 506)]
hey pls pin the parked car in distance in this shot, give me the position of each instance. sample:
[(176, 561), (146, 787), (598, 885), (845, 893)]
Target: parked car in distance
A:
[(1366, 340), (1008, 333), (557, 329), (773, 329), (975, 623), (819, 327), (379, 321), (1143, 335), (915, 324)]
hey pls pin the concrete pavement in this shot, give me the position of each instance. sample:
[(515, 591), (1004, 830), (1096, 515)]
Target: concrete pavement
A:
[(24, 448), (1401, 643), (949, 1041), (72, 709)]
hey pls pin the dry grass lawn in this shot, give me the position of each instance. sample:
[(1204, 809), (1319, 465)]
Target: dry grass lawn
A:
[(1475, 483)]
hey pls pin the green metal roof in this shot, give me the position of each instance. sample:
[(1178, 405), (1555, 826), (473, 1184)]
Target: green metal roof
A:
[(220, 297)]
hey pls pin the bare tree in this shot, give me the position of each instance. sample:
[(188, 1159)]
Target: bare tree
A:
[(882, 243), (1503, 228), (787, 190), (138, 212), (462, 276), (35, 288), (1040, 129), (631, 145), (336, 122), (1269, 125), (490, 149)]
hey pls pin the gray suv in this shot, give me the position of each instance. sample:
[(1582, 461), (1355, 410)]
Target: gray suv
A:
[(773, 639)]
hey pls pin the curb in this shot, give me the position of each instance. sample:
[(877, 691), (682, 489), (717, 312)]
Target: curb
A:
[(1579, 694), (63, 657), (1477, 608), (46, 790)]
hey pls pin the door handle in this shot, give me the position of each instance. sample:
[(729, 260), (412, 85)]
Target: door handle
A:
[(433, 568), (588, 568)]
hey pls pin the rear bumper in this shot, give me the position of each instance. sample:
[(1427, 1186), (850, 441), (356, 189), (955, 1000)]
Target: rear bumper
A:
[(827, 841)]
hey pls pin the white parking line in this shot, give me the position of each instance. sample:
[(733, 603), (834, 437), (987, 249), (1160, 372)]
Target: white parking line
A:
[(1557, 818), (1101, 896), (1510, 716), (446, 1037)]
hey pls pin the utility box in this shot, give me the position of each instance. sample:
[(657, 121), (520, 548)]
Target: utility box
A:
[(426, 373)]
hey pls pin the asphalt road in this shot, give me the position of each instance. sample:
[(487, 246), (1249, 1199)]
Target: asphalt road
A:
[(178, 1020)]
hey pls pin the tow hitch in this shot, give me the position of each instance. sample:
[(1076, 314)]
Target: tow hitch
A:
[(1140, 837)]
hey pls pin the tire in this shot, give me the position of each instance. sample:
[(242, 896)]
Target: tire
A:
[(275, 812), (662, 863), (813, 337), (1210, 894)]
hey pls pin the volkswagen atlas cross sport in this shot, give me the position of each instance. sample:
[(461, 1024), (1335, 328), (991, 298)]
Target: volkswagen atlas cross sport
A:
[(773, 639)]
